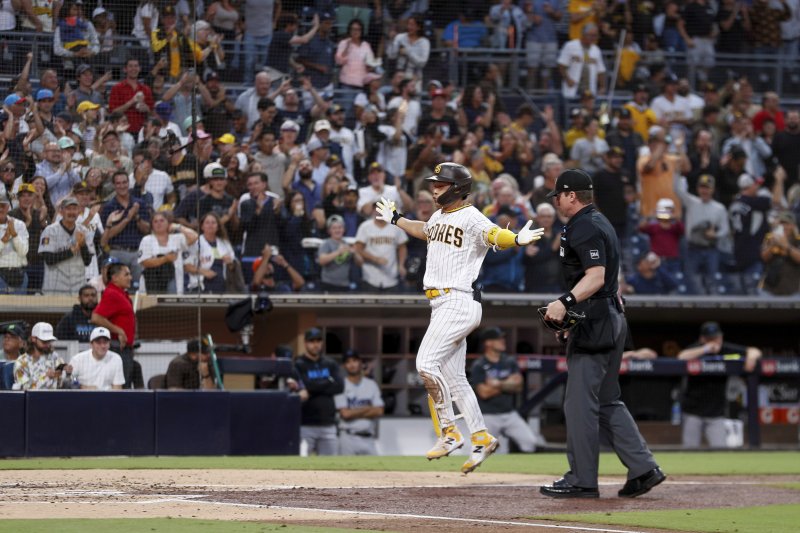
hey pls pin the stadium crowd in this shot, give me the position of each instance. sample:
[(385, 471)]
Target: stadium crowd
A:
[(113, 157)]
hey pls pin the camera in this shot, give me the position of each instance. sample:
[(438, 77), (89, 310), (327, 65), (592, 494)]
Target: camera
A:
[(262, 303)]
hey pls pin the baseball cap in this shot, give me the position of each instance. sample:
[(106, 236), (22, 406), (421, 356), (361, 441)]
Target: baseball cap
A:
[(99, 333), (84, 67), (616, 150), (587, 94), (706, 180), (283, 352), (13, 98), (66, 142), (492, 333), (214, 170), (670, 78), (351, 354), (334, 219), (44, 94), (4, 199), (334, 160), (787, 217), (572, 179), (69, 200), (26, 187), (438, 92), (187, 122), (17, 330), (81, 186), (43, 331), (66, 117), (167, 10), (322, 125), (576, 112), (198, 346), (98, 11), (290, 125), (86, 105), (640, 88), (746, 181), (163, 109), (226, 138), (313, 334), (737, 152), (624, 112), (325, 15), (210, 75), (335, 108), (710, 329), (375, 167)]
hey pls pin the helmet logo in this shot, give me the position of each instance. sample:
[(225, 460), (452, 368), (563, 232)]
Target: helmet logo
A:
[(437, 169)]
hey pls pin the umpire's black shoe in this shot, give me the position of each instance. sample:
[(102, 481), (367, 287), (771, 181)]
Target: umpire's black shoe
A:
[(639, 485), (563, 489)]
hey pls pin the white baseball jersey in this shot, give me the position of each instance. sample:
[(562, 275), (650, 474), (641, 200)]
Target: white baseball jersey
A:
[(69, 274), (150, 248), (365, 393), (381, 242), (456, 248)]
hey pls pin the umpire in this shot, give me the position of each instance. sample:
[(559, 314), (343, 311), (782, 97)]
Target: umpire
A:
[(590, 265)]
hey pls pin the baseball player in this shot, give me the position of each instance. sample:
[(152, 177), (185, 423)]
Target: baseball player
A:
[(65, 251), (458, 236), (359, 406)]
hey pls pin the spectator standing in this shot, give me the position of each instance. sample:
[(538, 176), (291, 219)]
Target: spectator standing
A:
[(249, 101), (786, 147), (583, 13), (770, 109), (467, 31), (110, 156), (625, 137), (98, 368), (509, 25), (260, 215), (656, 168), (749, 226), (161, 256), (781, 255), (589, 152), (706, 227), (642, 116), (323, 381), (59, 172), (496, 378), (377, 189), (148, 182), (756, 148), (65, 251), (765, 22), (665, 232), (335, 257), (581, 64), (359, 406), (704, 405), (285, 39), (192, 370), (541, 40), (670, 107), (258, 16), (317, 55), (212, 259), (131, 97), (74, 39), (733, 20), (354, 55), (411, 49), (698, 31), (76, 325), (609, 190), (127, 220), (14, 245), (273, 273), (382, 251), (115, 313), (39, 367), (35, 221), (542, 266), (342, 135)]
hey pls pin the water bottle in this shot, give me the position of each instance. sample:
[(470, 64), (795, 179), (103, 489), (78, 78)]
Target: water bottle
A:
[(675, 417)]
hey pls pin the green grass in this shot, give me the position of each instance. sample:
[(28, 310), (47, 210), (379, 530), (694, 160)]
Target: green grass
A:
[(149, 525), (673, 463), (765, 519)]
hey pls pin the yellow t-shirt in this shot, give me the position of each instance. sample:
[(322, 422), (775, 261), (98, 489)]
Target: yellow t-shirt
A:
[(657, 183), (642, 120), (577, 7)]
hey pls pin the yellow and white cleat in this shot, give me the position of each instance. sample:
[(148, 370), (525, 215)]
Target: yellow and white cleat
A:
[(449, 441), (483, 445)]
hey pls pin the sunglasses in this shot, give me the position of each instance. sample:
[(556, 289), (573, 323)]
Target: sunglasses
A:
[(9, 169)]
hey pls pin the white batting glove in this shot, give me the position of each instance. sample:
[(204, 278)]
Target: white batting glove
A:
[(387, 211), (527, 235)]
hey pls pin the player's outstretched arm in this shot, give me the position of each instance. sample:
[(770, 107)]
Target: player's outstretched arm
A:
[(504, 238), (385, 210)]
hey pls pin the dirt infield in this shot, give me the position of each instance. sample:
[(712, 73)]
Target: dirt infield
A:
[(395, 501)]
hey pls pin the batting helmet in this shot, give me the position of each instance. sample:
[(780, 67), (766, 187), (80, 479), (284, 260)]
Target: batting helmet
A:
[(458, 176)]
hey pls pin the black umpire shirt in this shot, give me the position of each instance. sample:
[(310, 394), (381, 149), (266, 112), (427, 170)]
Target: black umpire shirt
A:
[(589, 240)]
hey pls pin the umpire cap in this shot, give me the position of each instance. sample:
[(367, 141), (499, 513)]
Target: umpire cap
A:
[(456, 174), (572, 179)]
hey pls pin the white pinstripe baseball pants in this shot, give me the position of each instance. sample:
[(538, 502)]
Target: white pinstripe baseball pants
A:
[(443, 355)]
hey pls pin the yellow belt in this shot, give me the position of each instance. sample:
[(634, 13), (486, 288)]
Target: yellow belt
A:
[(430, 294)]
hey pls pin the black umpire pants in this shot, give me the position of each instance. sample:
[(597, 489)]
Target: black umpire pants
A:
[(126, 353), (592, 404)]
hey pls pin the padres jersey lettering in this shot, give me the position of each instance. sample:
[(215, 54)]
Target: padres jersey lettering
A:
[(456, 248)]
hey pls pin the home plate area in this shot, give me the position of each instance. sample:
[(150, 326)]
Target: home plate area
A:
[(396, 501)]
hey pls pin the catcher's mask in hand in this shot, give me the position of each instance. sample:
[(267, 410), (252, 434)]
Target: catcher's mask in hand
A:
[(570, 320)]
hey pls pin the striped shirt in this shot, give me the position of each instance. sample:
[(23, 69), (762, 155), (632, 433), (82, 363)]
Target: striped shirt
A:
[(456, 248)]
